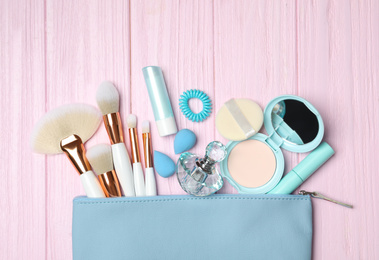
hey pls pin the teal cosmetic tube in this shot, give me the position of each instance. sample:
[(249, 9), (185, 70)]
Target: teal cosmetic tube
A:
[(304, 169), (160, 101)]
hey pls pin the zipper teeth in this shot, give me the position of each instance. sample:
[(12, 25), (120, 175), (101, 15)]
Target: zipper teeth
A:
[(163, 197)]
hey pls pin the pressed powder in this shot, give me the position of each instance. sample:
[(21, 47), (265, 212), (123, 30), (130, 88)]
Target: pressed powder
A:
[(251, 163)]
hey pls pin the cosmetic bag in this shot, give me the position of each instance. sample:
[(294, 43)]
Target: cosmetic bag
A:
[(227, 226)]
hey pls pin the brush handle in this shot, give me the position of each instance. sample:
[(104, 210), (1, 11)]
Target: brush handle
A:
[(123, 169), (91, 185), (151, 187), (139, 182)]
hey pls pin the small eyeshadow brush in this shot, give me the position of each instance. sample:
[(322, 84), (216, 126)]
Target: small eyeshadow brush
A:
[(151, 188), (139, 182)]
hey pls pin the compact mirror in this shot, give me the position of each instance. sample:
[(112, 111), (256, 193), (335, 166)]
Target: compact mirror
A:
[(294, 122), (256, 165)]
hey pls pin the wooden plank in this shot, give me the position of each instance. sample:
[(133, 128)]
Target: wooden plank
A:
[(177, 36), (255, 54), (225, 48), (87, 42), (338, 71), (22, 80)]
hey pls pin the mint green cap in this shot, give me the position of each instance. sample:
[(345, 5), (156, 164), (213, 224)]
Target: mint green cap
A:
[(160, 101), (304, 169), (314, 160)]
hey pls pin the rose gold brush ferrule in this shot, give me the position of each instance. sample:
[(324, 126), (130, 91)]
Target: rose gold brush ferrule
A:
[(110, 185), (134, 144), (147, 150), (113, 125), (73, 147)]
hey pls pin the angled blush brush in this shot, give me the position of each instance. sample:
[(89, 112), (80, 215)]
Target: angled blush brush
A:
[(107, 98), (65, 129)]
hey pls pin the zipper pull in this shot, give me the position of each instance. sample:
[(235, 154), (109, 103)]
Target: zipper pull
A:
[(320, 196)]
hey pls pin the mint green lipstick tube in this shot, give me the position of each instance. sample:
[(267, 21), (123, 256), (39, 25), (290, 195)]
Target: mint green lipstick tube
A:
[(160, 101), (304, 169)]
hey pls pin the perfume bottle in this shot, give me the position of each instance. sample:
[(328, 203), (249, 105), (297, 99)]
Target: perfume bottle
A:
[(200, 176)]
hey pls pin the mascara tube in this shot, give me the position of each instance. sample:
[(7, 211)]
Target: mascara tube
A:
[(304, 169)]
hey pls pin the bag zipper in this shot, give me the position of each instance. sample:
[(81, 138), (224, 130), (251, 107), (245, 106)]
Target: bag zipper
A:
[(320, 196)]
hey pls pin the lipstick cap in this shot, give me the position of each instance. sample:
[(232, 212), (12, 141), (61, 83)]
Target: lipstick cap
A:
[(160, 101)]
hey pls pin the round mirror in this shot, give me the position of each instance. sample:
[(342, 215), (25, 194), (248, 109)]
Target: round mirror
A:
[(294, 122)]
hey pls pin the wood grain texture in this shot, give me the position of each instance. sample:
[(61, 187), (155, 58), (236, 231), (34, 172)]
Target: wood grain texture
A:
[(87, 42), (57, 52), (154, 42), (338, 74), (22, 80), (255, 54), (178, 37)]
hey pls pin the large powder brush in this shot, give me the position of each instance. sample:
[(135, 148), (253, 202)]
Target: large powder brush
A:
[(64, 130), (108, 100)]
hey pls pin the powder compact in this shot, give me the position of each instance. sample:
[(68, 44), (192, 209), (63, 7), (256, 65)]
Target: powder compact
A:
[(255, 165)]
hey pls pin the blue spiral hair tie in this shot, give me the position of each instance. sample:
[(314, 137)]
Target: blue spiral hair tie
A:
[(186, 110)]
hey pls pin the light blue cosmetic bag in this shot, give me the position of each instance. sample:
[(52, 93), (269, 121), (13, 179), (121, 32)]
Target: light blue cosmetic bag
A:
[(275, 227)]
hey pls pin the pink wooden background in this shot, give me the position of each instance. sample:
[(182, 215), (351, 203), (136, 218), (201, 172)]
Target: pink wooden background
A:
[(55, 52)]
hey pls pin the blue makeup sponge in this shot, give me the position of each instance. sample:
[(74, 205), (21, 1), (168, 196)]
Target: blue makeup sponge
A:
[(163, 164), (185, 139)]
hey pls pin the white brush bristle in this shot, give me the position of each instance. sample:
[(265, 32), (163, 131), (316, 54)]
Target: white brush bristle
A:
[(145, 127), (100, 158), (131, 121), (61, 122), (107, 98)]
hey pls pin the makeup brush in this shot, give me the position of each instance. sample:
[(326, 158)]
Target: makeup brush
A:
[(64, 129), (100, 157), (139, 183), (151, 188), (108, 101)]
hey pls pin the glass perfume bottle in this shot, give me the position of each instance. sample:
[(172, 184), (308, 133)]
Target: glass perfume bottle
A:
[(200, 176)]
